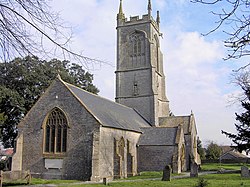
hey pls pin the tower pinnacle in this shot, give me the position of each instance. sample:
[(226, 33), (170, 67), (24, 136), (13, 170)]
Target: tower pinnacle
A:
[(158, 18), (120, 15), (149, 9)]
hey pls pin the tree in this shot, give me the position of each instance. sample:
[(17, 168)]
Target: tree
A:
[(12, 104), (23, 80), (213, 151), (235, 15), (26, 27), (2, 118), (242, 137), (200, 149)]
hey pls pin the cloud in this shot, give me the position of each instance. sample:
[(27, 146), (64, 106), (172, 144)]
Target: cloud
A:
[(196, 75), (191, 61), (191, 49), (161, 4)]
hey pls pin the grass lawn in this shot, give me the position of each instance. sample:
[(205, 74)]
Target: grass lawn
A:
[(149, 175), (214, 180), (39, 181), (218, 166), (146, 175)]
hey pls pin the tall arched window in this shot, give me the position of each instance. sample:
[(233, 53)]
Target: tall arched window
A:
[(56, 132), (137, 44), (136, 48)]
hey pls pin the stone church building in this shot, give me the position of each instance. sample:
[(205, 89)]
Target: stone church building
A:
[(72, 134)]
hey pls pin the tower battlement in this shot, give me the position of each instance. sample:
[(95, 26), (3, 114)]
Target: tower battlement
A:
[(139, 20), (122, 20)]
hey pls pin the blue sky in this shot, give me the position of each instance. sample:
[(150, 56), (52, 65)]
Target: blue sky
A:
[(197, 77)]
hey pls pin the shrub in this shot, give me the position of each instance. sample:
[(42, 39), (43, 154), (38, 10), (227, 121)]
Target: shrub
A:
[(202, 183)]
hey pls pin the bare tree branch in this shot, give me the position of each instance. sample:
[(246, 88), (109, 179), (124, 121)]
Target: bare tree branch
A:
[(240, 78), (236, 17), (22, 23)]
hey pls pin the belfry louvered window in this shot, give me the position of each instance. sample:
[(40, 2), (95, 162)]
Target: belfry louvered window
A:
[(56, 132), (136, 45)]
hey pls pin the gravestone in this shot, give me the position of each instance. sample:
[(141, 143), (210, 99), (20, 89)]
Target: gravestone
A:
[(245, 171), (105, 181), (194, 170), (167, 173)]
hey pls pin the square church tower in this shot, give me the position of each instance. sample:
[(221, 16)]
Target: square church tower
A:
[(140, 80)]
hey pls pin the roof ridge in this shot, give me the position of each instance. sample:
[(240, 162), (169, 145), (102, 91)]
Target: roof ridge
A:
[(101, 113), (79, 100), (142, 116), (101, 97)]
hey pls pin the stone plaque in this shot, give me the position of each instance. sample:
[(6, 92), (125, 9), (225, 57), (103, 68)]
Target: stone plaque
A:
[(53, 163)]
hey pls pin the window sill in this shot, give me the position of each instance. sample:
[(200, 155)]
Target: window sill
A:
[(54, 155)]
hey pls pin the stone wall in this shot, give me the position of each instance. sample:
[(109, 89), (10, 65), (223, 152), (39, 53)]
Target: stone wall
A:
[(10, 176), (140, 102), (113, 161), (190, 132), (17, 157), (154, 158), (77, 163)]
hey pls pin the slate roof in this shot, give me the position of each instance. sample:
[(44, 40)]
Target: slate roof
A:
[(188, 122), (158, 136), (226, 149), (234, 154), (109, 113)]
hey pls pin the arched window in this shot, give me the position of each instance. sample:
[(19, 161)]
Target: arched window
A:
[(137, 45), (56, 132)]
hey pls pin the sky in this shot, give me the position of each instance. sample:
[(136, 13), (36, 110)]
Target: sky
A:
[(197, 77)]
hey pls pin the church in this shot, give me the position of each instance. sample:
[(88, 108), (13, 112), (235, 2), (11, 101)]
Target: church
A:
[(72, 134)]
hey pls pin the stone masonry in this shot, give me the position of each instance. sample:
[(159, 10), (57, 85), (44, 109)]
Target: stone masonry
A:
[(140, 80)]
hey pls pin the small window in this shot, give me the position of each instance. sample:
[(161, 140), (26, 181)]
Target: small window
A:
[(55, 132)]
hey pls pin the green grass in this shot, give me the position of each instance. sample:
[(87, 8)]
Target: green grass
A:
[(149, 175), (218, 166), (38, 181), (214, 180), (146, 175), (43, 181)]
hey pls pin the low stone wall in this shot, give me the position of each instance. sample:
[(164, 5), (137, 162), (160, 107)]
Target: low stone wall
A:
[(15, 175), (226, 161)]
